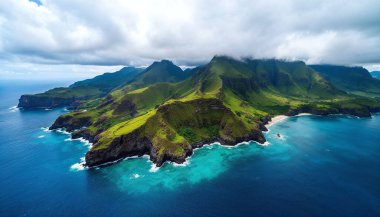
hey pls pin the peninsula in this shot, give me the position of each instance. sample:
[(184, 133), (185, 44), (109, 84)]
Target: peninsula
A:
[(165, 112)]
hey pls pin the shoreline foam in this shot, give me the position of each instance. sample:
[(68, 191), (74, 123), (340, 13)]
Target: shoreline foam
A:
[(276, 119), (14, 108), (281, 118)]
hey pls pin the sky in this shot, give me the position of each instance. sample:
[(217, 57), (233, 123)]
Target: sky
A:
[(51, 39)]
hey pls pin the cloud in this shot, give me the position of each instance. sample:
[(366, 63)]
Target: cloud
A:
[(129, 32)]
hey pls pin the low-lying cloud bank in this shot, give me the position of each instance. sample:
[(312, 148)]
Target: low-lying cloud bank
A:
[(129, 32)]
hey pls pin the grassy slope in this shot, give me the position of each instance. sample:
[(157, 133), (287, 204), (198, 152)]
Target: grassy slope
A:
[(67, 93), (356, 80), (94, 87), (173, 116)]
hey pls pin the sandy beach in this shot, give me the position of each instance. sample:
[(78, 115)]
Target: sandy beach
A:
[(279, 118), (275, 120)]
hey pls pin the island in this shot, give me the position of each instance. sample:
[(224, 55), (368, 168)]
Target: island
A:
[(166, 112)]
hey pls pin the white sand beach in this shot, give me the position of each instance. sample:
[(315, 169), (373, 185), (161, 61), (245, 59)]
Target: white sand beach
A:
[(276, 119), (279, 118)]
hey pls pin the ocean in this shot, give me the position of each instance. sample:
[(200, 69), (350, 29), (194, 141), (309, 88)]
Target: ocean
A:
[(319, 166)]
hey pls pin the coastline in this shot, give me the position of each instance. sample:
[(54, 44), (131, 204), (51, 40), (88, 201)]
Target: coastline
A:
[(81, 164), (154, 168), (280, 118)]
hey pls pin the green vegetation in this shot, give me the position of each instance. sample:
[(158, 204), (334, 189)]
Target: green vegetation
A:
[(68, 93), (86, 93), (95, 87), (356, 80), (225, 100), (75, 94)]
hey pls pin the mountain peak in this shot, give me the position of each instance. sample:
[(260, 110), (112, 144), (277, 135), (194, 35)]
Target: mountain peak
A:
[(163, 62), (222, 58)]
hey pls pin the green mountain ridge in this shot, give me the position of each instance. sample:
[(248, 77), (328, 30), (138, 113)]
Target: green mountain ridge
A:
[(108, 81), (79, 93), (227, 100), (356, 80), (87, 89), (163, 71)]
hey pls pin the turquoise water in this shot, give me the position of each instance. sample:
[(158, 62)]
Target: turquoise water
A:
[(320, 166)]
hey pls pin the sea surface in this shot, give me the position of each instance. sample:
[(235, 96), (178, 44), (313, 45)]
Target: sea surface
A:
[(319, 166)]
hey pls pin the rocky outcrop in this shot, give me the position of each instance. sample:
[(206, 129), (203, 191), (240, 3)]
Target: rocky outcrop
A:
[(132, 145), (85, 134), (122, 147), (70, 123), (137, 143), (358, 112), (145, 141), (35, 101)]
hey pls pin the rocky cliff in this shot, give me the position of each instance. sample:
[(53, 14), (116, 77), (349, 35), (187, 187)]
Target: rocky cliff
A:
[(33, 101)]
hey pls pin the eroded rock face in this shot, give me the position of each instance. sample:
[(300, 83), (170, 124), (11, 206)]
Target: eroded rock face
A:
[(32, 101), (359, 112), (142, 141), (138, 142), (70, 123), (85, 134), (131, 145), (122, 147)]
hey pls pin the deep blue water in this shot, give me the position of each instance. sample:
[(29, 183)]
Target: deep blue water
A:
[(321, 166)]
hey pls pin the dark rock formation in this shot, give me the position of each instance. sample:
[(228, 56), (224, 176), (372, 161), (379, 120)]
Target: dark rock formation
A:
[(70, 123), (132, 145), (33, 101), (125, 146)]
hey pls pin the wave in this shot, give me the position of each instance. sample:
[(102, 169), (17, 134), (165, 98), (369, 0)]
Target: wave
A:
[(81, 139), (154, 168), (266, 143), (41, 136), (79, 166), (186, 163), (135, 175), (302, 114), (45, 129), (84, 141), (14, 108), (275, 120), (63, 131)]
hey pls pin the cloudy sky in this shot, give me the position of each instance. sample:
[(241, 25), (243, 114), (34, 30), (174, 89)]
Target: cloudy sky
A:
[(80, 38)]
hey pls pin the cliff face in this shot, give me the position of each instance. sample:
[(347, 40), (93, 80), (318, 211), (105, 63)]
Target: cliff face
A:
[(168, 136), (226, 101), (133, 145), (364, 111), (351, 79), (32, 101), (70, 123), (125, 146)]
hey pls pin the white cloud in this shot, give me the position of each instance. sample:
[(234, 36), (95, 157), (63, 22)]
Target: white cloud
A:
[(125, 32)]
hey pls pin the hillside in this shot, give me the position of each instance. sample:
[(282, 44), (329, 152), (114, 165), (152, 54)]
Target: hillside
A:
[(82, 90), (356, 80), (99, 86), (163, 71), (227, 100), (108, 81)]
